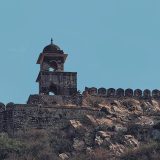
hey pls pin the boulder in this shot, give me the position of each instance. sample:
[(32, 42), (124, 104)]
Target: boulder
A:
[(103, 134), (98, 140), (105, 110), (63, 156), (130, 141), (117, 149), (89, 119), (75, 124)]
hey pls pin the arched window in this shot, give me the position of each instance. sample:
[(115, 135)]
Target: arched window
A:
[(53, 66)]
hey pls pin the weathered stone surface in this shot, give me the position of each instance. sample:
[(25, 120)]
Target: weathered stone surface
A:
[(138, 93), (98, 140), (156, 93), (111, 92), (105, 110), (117, 149), (52, 78), (2, 107), (103, 134), (130, 141), (92, 91), (76, 124), (147, 93), (90, 119), (129, 92), (102, 91), (120, 92), (10, 105), (63, 156)]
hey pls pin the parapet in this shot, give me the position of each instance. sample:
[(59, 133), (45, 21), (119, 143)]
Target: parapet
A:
[(120, 93), (2, 107)]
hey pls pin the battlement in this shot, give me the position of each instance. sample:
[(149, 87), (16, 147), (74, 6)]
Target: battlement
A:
[(120, 93), (43, 111)]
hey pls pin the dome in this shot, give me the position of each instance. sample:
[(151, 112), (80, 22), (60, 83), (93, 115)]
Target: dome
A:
[(52, 48)]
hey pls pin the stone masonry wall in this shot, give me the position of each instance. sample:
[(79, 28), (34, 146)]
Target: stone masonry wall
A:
[(43, 111), (22, 117)]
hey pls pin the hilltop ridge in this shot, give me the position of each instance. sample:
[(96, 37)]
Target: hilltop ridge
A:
[(99, 128)]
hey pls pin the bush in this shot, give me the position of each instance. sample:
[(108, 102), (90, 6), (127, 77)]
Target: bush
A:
[(150, 151), (60, 144), (8, 146)]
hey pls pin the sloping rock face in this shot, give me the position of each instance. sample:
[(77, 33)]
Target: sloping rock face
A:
[(112, 125)]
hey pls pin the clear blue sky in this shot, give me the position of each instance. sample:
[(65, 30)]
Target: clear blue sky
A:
[(111, 43)]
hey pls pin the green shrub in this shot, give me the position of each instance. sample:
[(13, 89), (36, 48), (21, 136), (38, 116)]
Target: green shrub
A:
[(8, 146)]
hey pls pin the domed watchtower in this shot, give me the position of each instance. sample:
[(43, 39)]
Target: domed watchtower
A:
[(52, 77)]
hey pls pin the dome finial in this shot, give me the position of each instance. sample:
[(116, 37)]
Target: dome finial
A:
[(51, 41)]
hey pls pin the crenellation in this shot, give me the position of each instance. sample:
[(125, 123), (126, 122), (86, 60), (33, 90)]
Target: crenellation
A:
[(138, 93), (129, 92), (102, 91), (120, 93), (156, 93), (111, 92), (147, 93), (93, 91)]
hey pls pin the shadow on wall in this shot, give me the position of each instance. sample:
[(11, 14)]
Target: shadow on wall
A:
[(111, 92)]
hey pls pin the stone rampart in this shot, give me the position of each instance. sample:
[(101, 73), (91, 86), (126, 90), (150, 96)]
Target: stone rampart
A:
[(54, 100), (117, 93), (43, 111), (23, 117)]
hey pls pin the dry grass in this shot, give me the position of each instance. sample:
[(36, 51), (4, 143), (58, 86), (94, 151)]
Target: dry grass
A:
[(150, 151)]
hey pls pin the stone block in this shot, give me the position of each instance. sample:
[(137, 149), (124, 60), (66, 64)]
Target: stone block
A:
[(129, 92), (138, 93), (147, 93), (156, 93), (111, 92), (120, 92), (102, 91)]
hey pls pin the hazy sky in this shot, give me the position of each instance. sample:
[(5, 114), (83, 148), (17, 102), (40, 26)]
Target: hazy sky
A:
[(111, 43)]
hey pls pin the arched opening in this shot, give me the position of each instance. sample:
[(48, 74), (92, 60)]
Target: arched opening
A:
[(53, 66), (53, 89)]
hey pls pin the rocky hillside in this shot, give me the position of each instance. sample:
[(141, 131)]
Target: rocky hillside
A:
[(124, 128)]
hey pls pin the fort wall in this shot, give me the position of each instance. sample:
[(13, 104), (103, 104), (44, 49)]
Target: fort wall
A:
[(44, 111), (120, 93), (23, 117)]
